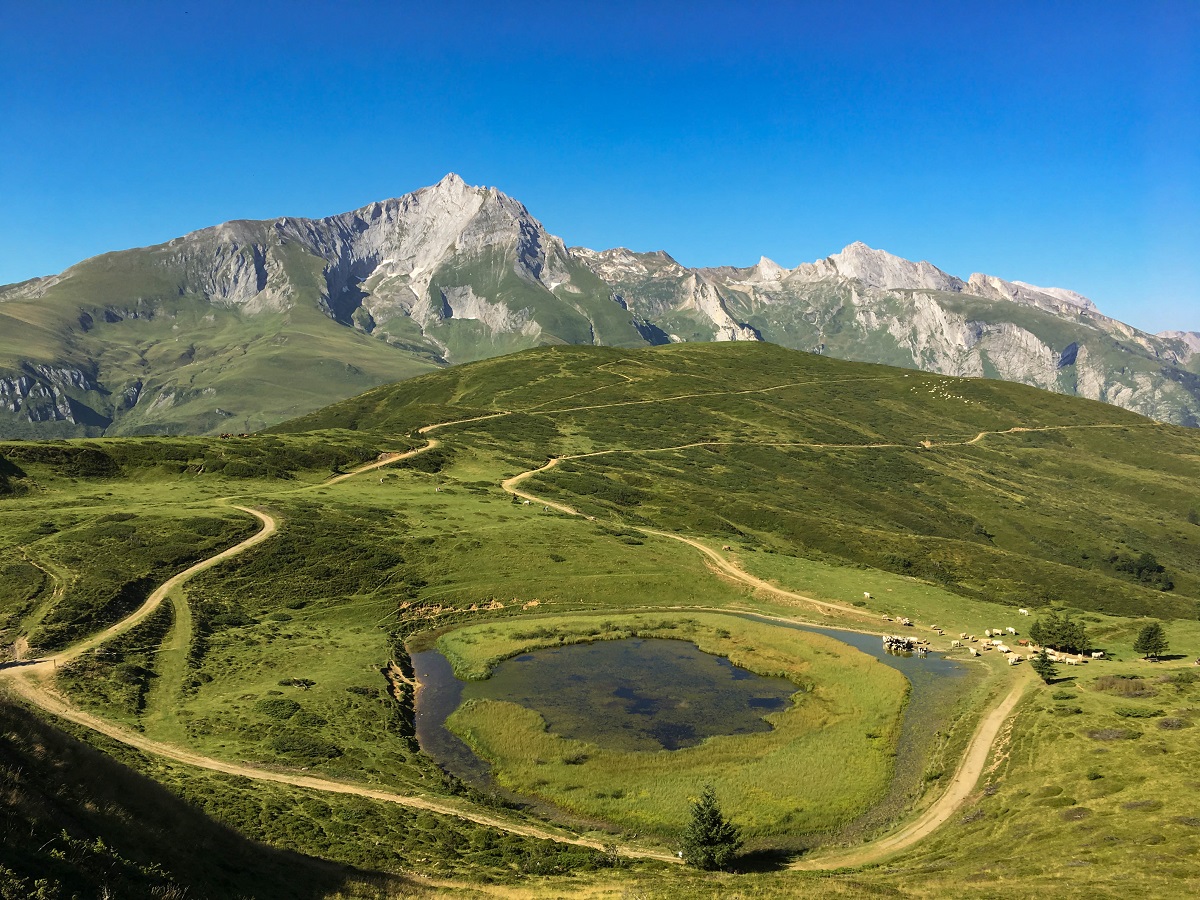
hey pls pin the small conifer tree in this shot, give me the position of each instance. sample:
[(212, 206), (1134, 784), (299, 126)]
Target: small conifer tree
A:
[(1151, 641), (710, 842), (1044, 665)]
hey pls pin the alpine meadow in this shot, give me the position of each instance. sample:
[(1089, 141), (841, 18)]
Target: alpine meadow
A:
[(248, 630)]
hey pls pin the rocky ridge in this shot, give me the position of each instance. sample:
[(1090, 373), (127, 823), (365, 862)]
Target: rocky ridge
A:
[(451, 273)]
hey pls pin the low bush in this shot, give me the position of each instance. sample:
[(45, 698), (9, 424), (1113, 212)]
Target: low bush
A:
[(278, 707), (1137, 712), (1124, 685)]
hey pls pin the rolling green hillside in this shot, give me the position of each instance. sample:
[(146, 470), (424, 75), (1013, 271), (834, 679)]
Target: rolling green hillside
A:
[(793, 453), (858, 491)]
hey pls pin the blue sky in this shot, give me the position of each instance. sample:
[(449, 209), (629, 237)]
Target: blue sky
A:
[(1052, 142)]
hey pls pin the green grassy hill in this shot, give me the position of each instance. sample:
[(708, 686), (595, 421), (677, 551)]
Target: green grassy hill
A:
[(804, 455), (947, 500)]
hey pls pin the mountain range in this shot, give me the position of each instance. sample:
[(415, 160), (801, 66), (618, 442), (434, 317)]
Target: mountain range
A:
[(238, 326)]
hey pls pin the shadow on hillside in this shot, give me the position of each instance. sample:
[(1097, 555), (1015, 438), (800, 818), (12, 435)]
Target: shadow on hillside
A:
[(76, 817), (763, 861), (1068, 680)]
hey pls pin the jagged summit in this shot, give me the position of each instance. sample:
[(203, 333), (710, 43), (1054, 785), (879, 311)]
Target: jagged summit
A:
[(454, 272), (880, 269)]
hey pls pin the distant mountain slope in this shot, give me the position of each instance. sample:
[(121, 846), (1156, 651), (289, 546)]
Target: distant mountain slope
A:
[(869, 305), (247, 323)]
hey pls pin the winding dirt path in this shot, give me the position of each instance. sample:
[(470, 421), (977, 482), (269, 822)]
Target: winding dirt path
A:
[(31, 681), (37, 694), (961, 786), (49, 663), (737, 573)]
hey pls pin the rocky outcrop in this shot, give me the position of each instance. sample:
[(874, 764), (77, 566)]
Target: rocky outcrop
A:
[(386, 256), (43, 393), (1189, 340)]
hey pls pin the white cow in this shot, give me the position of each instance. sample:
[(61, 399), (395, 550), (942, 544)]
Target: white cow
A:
[(1011, 630), (1097, 654), (1023, 612), (996, 643), (1003, 649), (974, 652), (1014, 659), (987, 632), (1070, 662), (956, 643)]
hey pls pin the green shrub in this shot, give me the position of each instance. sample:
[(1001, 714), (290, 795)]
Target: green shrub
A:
[(278, 707), (1137, 712), (304, 746)]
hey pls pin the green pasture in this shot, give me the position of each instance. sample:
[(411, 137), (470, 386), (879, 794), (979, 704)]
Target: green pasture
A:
[(277, 657)]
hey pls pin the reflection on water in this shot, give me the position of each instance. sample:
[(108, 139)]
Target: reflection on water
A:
[(636, 693)]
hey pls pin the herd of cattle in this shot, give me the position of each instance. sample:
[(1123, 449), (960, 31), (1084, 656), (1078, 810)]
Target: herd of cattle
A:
[(993, 639)]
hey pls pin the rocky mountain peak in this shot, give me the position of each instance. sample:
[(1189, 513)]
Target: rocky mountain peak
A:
[(1069, 297), (885, 271), (769, 270), (1056, 300), (1190, 339)]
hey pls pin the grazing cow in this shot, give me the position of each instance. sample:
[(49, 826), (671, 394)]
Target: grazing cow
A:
[(1097, 654), (987, 632), (956, 643), (974, 652), (1011, 630), (962, 636), (1023, 612), (866, 595), (1070, 662), (997, 643), (1003, 649), (971, 638), (1013, 660)]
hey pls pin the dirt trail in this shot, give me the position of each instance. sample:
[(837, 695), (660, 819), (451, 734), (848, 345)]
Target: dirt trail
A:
[(49, 663), (510, 485), (737, 573), (966, 776), (38, 695)]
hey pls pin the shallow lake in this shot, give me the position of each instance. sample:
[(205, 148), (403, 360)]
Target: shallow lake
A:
[(649, 694)]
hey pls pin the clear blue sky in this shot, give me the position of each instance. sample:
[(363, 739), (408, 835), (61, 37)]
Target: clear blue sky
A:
[(1052, 142)]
